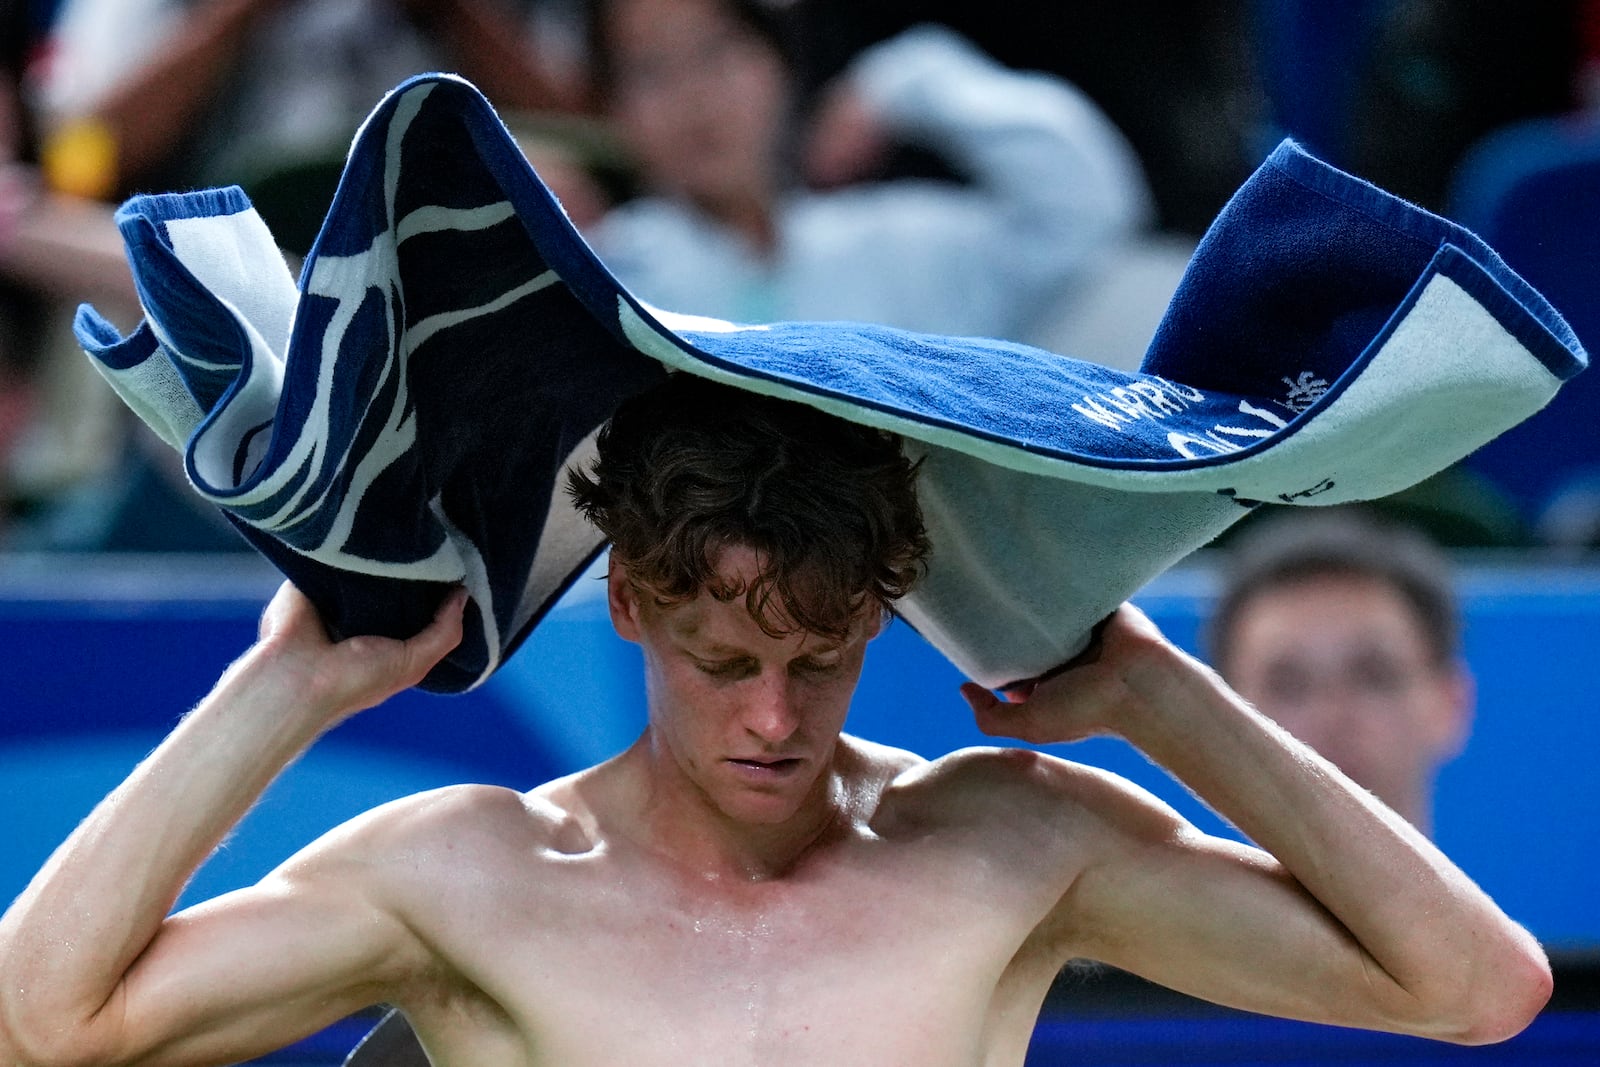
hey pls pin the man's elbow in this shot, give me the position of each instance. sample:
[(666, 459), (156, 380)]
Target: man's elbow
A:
[(1506, 1001), (33, 1045), (47, 1055)]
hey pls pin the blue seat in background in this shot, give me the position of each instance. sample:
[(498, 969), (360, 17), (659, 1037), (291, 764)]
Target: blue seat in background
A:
[(1532, 191)]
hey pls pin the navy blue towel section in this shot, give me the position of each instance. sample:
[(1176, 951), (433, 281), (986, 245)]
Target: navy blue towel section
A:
[(398, 421)]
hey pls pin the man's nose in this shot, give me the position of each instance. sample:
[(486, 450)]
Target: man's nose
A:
[(772, 713)]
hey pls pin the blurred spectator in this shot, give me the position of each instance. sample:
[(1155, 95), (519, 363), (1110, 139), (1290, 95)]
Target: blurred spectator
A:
[(175, 94), (18, 309), (58, 421), (62, 427), (1180, 79), (1345, 631), (579, 159), (169, 94), (705, 92)]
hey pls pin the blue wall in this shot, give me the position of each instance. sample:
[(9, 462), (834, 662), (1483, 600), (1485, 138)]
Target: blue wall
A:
[(99, 661)]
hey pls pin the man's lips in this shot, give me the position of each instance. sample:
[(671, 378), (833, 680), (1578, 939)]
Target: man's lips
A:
[(767, 766)]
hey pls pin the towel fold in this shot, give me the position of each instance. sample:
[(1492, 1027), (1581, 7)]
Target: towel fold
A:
[(399, 421)]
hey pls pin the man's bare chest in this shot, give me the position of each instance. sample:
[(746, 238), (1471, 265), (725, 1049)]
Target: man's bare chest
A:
[(869, 962)]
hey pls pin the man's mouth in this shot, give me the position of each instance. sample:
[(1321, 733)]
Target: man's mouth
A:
[(767, 767)]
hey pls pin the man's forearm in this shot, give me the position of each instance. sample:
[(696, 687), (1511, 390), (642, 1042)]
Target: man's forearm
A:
[(87, 977), (69, 939), (1414, 912)]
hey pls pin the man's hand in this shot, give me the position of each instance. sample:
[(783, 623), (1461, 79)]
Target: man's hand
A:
[(347, 676), (1081, 699)]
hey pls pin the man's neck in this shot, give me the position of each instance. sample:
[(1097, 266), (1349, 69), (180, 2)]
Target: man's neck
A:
[(669, 817)]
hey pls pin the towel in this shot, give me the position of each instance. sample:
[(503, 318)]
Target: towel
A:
[(398, 420)]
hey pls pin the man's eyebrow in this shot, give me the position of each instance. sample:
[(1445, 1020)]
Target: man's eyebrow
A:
[(683, 624), (686, 629), (716, 649)]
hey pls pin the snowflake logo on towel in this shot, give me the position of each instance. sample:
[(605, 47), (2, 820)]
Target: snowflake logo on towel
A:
[(1304, 391)]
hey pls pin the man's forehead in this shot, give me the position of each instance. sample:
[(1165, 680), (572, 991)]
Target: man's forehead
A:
[(742, 580), (727, 626)]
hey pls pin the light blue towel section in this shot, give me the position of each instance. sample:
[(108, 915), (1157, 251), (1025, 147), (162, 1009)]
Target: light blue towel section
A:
[(399, 420)]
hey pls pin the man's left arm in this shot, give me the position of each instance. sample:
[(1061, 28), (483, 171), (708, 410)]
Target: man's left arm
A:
[(1345, 915)]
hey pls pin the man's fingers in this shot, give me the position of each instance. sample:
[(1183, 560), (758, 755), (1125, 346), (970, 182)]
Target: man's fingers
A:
[(441, 635), (286, 606), (978, 698), (452, 607), (996, 717), (447, 624)]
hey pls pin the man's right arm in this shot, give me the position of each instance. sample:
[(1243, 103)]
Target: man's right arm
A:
[(1349, 916), (95, 972)]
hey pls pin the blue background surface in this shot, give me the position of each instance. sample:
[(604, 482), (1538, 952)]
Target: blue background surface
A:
[(99, 661), (100, 658)]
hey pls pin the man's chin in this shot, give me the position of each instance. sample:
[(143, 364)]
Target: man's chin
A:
[(770, 805), (762, 816)]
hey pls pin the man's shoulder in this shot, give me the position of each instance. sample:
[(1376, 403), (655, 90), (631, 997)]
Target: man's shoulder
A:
[(1010, 820), (992, 766), (985, 786), (462, 819)]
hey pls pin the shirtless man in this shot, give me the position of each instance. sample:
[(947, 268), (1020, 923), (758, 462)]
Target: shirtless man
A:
[(745, 885)]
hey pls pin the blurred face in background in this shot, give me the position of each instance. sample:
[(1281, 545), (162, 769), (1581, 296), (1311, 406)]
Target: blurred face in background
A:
[(1344, 664), (701, 98)]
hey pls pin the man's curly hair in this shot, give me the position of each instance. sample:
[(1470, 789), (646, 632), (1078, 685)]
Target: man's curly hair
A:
[(690, 468)]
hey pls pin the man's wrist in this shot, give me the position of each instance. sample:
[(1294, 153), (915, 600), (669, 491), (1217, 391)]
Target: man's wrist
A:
[(268, 680), (1169, 693)]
